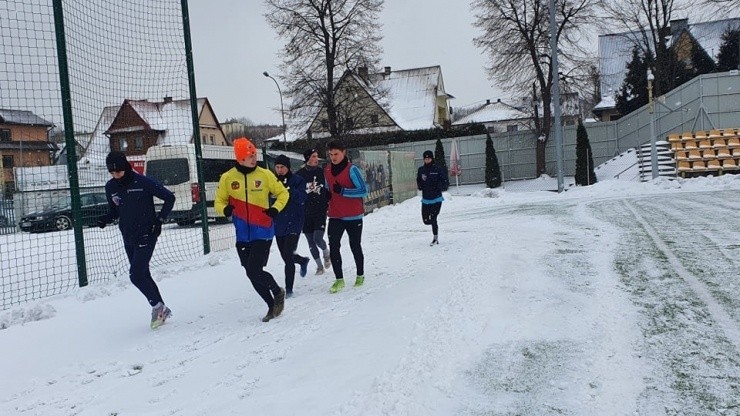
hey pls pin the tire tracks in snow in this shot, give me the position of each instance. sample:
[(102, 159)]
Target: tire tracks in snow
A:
[(721, 316)]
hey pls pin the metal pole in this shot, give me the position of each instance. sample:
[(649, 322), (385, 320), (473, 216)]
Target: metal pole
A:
[(557, 124), (282, 109), (69, 135), (196, 125), (651, 110)]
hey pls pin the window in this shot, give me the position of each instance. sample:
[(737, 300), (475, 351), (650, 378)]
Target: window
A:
[(169, 171), (5, 135), (139, 143), (325, 123), (374, 119), (212, 138), (350, 123), (8, 162), (512, 128), (122, 144)]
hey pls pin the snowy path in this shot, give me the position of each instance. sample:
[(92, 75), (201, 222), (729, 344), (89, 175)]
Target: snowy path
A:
[(559, 306)]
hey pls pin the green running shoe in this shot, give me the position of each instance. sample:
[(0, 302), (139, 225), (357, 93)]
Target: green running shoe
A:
[(359, 280), (337, 286)]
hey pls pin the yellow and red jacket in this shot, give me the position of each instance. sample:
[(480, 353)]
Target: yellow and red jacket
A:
[(249, 194)]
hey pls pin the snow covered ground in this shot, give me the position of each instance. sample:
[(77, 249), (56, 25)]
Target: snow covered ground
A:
[(622, 298)]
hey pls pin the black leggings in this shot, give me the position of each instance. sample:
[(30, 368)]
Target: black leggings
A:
[(253, 257), (337, 227), (288, 244), (429, 213), (139, 254)]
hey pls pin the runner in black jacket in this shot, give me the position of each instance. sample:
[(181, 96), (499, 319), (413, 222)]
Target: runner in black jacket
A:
[(431, 180), (314, 224), (131, 201)]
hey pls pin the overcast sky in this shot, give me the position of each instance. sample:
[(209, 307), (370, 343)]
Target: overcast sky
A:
[(233, 45)]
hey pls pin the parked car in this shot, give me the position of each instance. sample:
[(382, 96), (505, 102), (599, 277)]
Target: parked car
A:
[(58, 216)]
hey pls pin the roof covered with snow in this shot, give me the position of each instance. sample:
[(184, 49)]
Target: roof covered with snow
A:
[(172, 118), (22, 117), (615, 51), (411, 95), (492, 112)]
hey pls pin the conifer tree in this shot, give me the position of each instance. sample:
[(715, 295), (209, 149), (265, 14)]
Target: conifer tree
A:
[(493, 170), (585, 174), (701, 62), (728, 57), (439, 156), (633, 93)]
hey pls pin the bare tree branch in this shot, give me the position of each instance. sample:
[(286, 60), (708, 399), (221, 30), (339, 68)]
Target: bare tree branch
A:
[(324, 38), (516, 38)]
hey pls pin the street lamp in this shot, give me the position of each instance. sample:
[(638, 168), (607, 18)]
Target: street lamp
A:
[(651, 111), (282, 109)]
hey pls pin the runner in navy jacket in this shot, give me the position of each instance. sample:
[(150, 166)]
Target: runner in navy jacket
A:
[(431, 180), (289, 222), (131, 201)]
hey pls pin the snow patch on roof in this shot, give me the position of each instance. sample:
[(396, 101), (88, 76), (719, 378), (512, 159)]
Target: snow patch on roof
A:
[(22, 117), (411, 95), (493, 112)]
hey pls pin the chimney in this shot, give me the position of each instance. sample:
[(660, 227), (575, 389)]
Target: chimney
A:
[(387, 71), (488, 101), (362, 72), (167, 100), (679, 25)]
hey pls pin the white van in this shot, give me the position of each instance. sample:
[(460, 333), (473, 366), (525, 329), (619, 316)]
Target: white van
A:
[(174, 167)]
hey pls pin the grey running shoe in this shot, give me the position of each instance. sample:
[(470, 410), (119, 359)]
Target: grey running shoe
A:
[(160, 313)]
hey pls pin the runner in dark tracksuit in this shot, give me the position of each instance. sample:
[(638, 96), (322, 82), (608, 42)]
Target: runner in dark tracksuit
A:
[(314, 224), (289, 222), (431, 180), (131, 201)]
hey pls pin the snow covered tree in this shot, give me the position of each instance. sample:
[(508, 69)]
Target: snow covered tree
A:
[(324, 38), (728, 57), (493, 170), (585, 174)]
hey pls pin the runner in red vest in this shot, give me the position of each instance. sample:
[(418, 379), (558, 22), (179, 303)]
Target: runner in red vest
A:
[(345, 213)]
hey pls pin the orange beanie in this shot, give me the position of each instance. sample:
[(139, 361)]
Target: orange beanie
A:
[(243, 148)]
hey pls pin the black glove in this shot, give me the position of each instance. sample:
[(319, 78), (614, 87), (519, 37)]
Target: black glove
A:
[(102, 222), (228, 210), (272, 212), (156, 228), (337, 188)]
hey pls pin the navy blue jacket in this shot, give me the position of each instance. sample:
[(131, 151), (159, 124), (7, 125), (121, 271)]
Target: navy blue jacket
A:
[(431, 180), (131, 201), (290, 219), (318, 201)]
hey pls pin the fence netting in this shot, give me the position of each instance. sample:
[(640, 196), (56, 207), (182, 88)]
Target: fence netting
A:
[(128, 84)]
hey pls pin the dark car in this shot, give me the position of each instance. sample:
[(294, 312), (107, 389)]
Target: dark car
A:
[(59, 215)]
